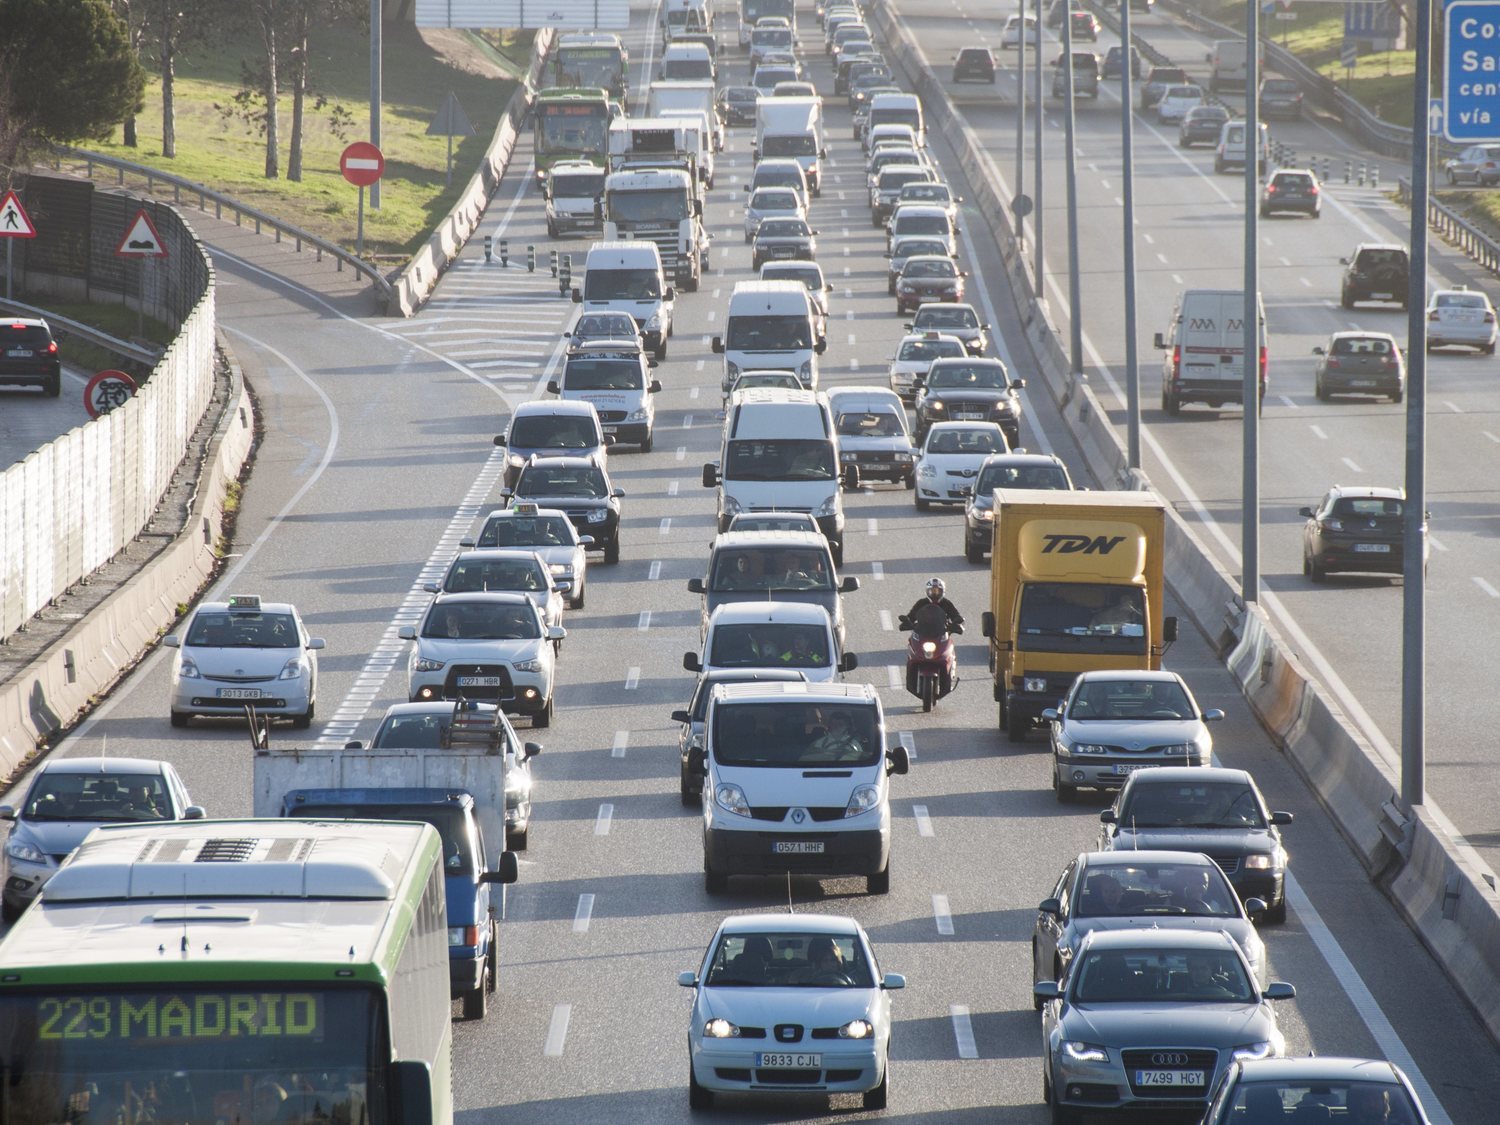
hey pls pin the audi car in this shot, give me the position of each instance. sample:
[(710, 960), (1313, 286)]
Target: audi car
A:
[(975, 389), (1277, 1090), (928, 277), (581, 488)]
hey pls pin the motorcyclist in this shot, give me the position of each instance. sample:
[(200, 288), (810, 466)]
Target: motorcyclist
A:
[(935, 588)]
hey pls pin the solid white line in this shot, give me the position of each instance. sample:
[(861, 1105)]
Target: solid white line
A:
[(645, 621), (942, 915), (653, 572), (1486, 587), (622, 737), (924, 822), (557, 1030), (583, 914), (601, 822), (632, 678), (963, 1031), (886, 622)]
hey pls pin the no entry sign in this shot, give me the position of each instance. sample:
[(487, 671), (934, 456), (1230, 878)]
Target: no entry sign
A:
[(362, 163)]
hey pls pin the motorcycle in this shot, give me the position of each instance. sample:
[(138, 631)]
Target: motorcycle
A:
[(931, 657)]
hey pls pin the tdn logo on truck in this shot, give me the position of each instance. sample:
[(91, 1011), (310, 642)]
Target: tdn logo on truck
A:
[(1080, 544)]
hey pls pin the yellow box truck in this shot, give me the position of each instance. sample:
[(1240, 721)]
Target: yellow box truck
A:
[(1075, 584)]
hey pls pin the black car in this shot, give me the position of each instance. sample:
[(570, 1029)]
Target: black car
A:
[(1056, 9), (969, 390), (1006, 470), (1375, 272), (29, 357), (579, 486), (1219, 812), (974, 64), (1356, 529), (1280, 97), (1291, 189), (1112, 59), (737, 104), (1201, 125)]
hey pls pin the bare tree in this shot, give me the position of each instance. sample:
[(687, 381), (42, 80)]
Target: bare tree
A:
[(136, 16), (268, 15), (306, 15)]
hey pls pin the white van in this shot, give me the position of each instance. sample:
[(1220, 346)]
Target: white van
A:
[(665, 96), (1230, 151), (897, 109), (770, 325), (792, 128), (616, 379), (769, 633), (785, 746), (574, 190), (780, 453), (922, 220), (1204, 349), (1230, 61), (873, 433), (690, 61), (627, 277)]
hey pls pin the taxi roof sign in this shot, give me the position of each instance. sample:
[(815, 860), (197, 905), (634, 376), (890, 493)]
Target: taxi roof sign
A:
[(247, 602), (526, 508)]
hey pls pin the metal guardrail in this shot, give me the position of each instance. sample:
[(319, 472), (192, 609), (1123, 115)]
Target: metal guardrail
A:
[(1456, 229), (240, 210), (146, 356)]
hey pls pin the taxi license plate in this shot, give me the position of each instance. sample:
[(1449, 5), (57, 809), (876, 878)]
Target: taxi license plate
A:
[(797, 847), (769, 1059), (1372, 548), (1123, 768), (1169, 1078), (239, 693), (479, 681)]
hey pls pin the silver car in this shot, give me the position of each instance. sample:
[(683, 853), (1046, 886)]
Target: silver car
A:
[(781, 202), (1477, 164), (1139, 890), (1149, 1019), (549, 533), (1114, 723), (240, 652), (1461, 318), (70, 797), (961, 320), (505, 568)]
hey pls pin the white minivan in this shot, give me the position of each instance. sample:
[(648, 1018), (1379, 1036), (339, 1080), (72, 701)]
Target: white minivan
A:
[(796, 780), (626, 276), (1204, 349), (616, 379), (770, 326), (781, 454)]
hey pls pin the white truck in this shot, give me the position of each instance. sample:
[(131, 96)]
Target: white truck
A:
[(792, 127), (668, 95), (653, 193)]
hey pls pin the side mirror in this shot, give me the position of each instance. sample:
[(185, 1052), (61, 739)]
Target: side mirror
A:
[(717, 345), (467, 541), (1051, 714), (193, 812), (171, 640), (556, 633), (1046, 990), (499, 439), (508, 871), (849, 585), (987, 624), (1049, 906), (848, 662), (1343, 261), (552, 387), (585, 540), (609, 440), (851, 477), (653, 387), (710, 475), (411, 1090), (432, 587), (316, 644), (1319, 351), (354, 745), (821, 345), (407, 633), (1279, 990), (619, 493), (696, 586), (577, 295), (892, 982), (681, 716), (1169, 629), (1282, 818), (897, 760), (1107, 816), (1212, 715), (688, 980), (1308, 512), (691, 662), (1255, 907), (562, 587), (1159, 342), (7, 812), (530, 750), (669, 294), (748, 189)]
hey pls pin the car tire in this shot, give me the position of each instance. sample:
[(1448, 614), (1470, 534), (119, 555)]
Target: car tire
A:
[(476, 1001), (699, 1097), (1016, 727), (890, 287), (181, 718), (551, 229), (660, 352), (972, 553), (1218, 166), (922, 505), (1314, 570), (749, 238), (1276, 915), (1321, 391), (543, 718), (714, 882), (1345, 300), (612, 550), (879, 1097), (690, 796), (52, 388), (516, 841), (304, 720), (650, 443), (1488, 349), (1171, 404), (880, 882), (1398, 396), (1063, 1115), (493, 957), (1452, 179), (10, 913), (577, 603)]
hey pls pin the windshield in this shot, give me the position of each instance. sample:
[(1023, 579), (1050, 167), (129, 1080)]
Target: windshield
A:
[(769, 333), (921, 224), (974, 441), (1126, 890), (771, 37), (872, 424), (789, 960), (605, 326), (1220, 804), (1110, 976), (192, 1053), (659, 205), (925, 193), (471, 575), (603, 375), (526, 531), (1081, 616), (574, 185), (796, 735), (800, 144), (939, 316), (221, 629), (897, 179), (741, 94), (783, 379), (925, 351), (1116, 700), (780, 177), (561, 480), (788, 459), (588, 66), (769, 644), (451, 825), (778, 199), (1460, 301), (1271, 1100), (1368, 507), (423, 731), (784, 228), (577, 129), (780, 569), (967, 376), (916, 267), (553, 431), (1021, 476), (930, 622), (621, 285), (887, 116), (810, 276), (111, 798), (482, 621)]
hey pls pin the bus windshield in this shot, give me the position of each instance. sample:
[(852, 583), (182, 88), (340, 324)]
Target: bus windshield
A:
[(575, 128), (589, 66), (668, 205), (192, 1054)]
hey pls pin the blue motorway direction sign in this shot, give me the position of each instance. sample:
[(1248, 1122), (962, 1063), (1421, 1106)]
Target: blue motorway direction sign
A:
[(1471, 70)]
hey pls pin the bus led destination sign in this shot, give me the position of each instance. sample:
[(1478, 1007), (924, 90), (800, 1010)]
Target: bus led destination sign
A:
[(189, 1016), (1471, 70)]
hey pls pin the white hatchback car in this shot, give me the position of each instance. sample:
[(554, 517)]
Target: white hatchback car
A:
[(549, 533), (490, 647), (951, 458), (243, 651), (1176, 102), (1461, 318), (514, 569), (790, 1003)]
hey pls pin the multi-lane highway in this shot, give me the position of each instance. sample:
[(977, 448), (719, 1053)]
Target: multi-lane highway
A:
[(378, 458)]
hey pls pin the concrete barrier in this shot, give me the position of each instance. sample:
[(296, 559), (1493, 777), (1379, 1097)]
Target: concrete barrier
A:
[(94, 654)]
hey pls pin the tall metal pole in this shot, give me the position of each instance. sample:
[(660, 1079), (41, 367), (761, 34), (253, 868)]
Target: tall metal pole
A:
[(1127, 149), (375, 92), (1039, 211), (1413, 571), (1250, 488), (1075, 307), (1021, 116)]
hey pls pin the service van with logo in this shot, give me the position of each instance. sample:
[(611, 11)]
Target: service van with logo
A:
[(616, 379), (1203, 350), (1076, 584)]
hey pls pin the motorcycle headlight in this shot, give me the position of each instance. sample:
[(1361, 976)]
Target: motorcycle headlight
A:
[(527, 665), (862, 800), (731, 798), (636, 415), (26, 853), (929, 648), (1254, 1051), (424, 664), (1259, 863), (827, 508), (293, 669), (1085, 1052), (857, 1029), (188, 669), (719, 1028), (598, 515)]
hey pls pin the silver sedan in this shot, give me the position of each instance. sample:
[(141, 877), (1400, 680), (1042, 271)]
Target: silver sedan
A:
[(1461, 318)]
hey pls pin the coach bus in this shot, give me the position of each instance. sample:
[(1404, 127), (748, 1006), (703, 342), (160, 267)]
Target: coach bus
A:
[(571, 125), (216, 971)]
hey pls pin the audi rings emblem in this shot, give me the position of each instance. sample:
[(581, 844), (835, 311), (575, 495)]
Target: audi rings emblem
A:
[(1169, 1058)]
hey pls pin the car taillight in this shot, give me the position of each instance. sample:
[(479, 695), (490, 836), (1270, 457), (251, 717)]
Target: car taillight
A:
[(1313, 190), (1176, 361), (1433, 315), (52, 347), (1263, 361), (1270, 189), (1489, 318), (1333, 361)]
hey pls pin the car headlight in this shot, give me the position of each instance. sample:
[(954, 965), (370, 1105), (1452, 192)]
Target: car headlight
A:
[(732, 507), (517, 785), (1259, 862), (1034, 684), (1086, 748), (862, 800), (804, 372), (188, 670), (463, 935), (293, 669), (731, 371), (985, 514), (653, 322), (731, 798), (426, 664), (857, 1029), (1085, 1052), (934, 405), (27, 853), (1180, 749), (527, 665), (1254, 1051), (1005, 406), (517, 461), (636, 415), (719, 1028), (827, 508), (560, 568), (926, 470), (598, 515)]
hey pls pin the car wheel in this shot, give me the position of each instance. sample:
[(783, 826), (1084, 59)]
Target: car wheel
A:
[(1315, 570), (880, 1096), (181, 718), (650, 443), (476, 1001), (1276, 915), (577, 603), (1452, 179), (1346, 300), (10, 913), (890, 287), (1321, 391), (699, 1097), (972, 553), (749, 238), (543, 718), (517, 840), (690, 795), (493, 957), (1171, 404), (1397, 397), (52, 388), (1488, 349), (880, 882), (660, 351), (551, 229), (922, 505), (1016, 727), (837, 550), (612, 550), (714, 882), (1063, 793), (1063, 1115)]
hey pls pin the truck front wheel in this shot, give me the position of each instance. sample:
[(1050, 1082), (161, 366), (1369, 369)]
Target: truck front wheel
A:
[(1016, 726)]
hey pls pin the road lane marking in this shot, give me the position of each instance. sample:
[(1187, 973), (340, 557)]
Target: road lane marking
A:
[(885, 620), (874, 526), (557, 1030), (1305, 282), (687, 421), (963, 1031), (942, 915), (894, 674), (1160, 257), (1318, 432), (622, 737), (682, 453), (1352, 466), (632, 680), (666, 525), (645, 621), (1491, 436), (602, 821), (1285, 401), (694, 392), (584, 913), (1453, 406), (653, 572), (877, 571), (1436, 544), (924, 822), (1486, 587), (672, 487), (1177, 279)]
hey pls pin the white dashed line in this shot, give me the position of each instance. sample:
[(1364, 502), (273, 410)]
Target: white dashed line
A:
[(645, 621), (622, 737), (1285, 401), (687, 421), (886, 622), (924, 822), (1436, 544), (893, 674), (694, 392), (583, 914), (1486, 587), (942, 915), (1453, 406), (1305, 282), (682, 453), (877, 571), (672, 487), (908, 740), (666, 525), (1177, 279), (963, 1030), (1352, 466), (632, 681), (557, 1030), (602, 821), (874, 526), (653, 572), (1318, 432), (1160, 257)]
